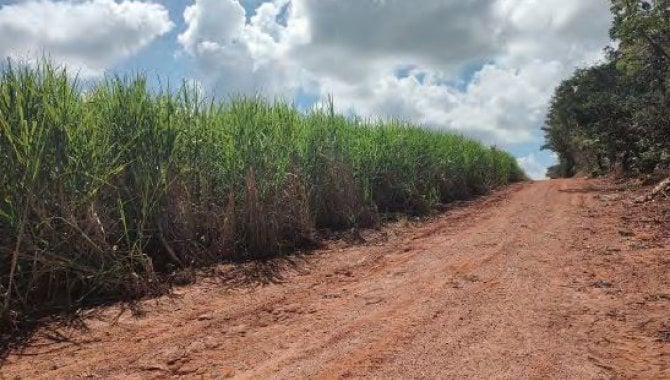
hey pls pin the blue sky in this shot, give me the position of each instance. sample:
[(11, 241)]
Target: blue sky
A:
[(483, 68)]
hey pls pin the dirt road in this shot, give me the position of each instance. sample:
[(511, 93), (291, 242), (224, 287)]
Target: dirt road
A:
[(544, 280)]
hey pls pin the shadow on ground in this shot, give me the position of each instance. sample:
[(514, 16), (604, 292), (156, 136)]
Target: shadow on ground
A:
[(259, 273), (238, 275)]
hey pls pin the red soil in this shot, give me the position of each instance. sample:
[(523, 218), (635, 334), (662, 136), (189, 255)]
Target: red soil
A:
[(557, 279)]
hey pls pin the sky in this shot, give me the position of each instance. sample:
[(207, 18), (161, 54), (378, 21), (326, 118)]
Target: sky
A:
[(482, 68)]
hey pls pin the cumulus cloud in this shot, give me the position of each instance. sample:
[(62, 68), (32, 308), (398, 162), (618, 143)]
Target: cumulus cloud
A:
[(352, 38), (499, 105), (485, 68), (212, 22), (532, 166), (87, 35), (233, 55), (524, 51), (567, 31)]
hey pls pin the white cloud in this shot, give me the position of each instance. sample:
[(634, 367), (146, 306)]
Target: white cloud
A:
[(533, 167), (352, 38), (212, 22), (499, 105), (531, 46), (519, 51), (235, 56), (87, 35), (567, 31)]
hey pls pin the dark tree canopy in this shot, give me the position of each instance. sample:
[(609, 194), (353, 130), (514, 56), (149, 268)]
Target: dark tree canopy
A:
[(616, 116)]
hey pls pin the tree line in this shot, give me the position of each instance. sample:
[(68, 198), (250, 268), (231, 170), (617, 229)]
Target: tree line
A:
[(615, 116)]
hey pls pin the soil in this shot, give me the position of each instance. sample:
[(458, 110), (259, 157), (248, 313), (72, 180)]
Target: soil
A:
[(556, 279)]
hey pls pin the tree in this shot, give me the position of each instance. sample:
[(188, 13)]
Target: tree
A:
[(616, 116)]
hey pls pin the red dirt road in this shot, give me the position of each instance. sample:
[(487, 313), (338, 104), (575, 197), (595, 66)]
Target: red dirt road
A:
[(558, 279)]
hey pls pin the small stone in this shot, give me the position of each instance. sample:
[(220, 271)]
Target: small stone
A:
[(196, 347), (227, 372), (154, 367), (206, 317), (239, 329), (293, 308), (211, 343), (174, 356), (188, 369), (373, 300), (602, 284)]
